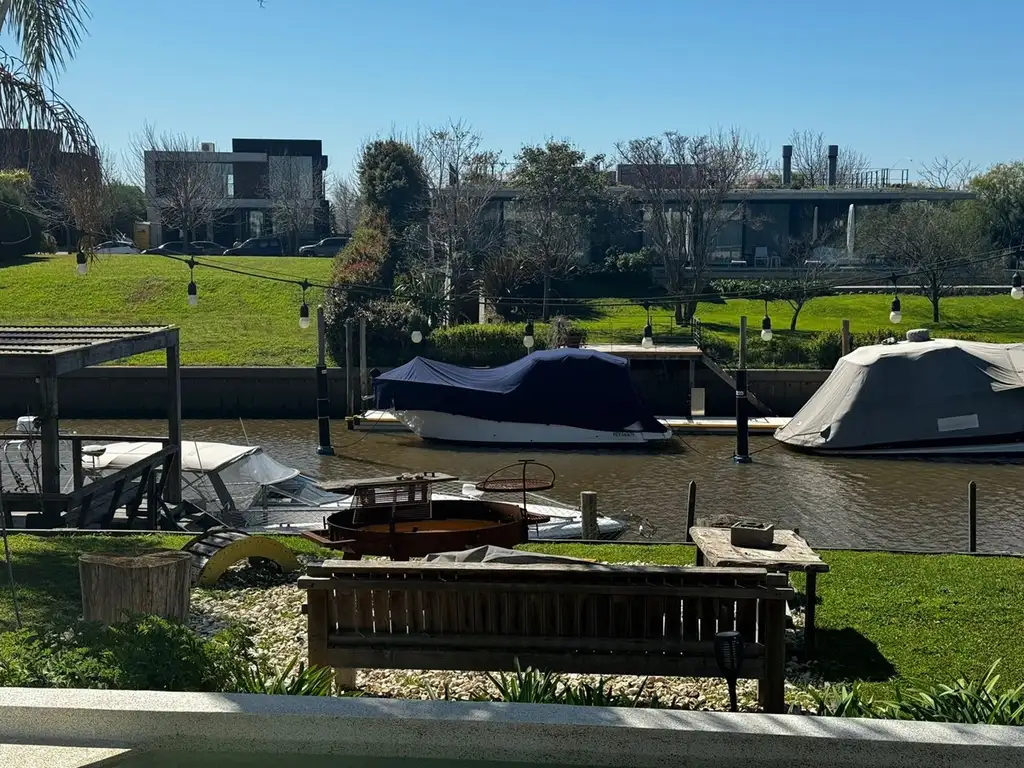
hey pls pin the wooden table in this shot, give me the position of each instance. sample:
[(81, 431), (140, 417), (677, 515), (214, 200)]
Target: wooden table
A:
[(788, 553)]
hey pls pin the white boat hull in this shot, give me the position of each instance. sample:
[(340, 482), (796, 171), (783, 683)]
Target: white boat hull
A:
[(434, 425)]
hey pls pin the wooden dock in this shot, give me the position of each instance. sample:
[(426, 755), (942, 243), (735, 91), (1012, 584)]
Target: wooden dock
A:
[(657, 352), (382, 421)]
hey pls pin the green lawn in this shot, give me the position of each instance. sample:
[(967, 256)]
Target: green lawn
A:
[(239, 320), (882, 617)]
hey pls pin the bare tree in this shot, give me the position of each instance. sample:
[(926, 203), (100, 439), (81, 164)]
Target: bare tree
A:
[(810, 161), (557, 188), (187, 189), (936, 244), (814, 268), (83, 196), (344, 194), (461, 227), (690, 187), (291, 188), (946, 173)]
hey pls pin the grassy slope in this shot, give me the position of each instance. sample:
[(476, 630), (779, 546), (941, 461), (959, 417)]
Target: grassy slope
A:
[(882, 616), (239, 320)]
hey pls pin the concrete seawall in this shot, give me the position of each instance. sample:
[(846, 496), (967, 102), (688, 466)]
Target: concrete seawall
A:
[(210, 393)]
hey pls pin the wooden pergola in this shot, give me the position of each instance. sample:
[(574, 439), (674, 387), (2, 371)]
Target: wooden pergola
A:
[(47, 352)]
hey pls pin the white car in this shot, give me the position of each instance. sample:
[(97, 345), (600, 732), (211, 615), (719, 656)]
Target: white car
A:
[(116, 246)]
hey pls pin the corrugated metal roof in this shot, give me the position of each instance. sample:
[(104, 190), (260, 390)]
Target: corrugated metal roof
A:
[(24, 347)]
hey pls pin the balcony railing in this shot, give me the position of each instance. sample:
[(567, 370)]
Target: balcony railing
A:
[(879, 177)]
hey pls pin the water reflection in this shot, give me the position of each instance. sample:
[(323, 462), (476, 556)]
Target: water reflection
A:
[(868, 503)]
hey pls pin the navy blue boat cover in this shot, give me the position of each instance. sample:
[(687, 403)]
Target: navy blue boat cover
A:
[(570, 387)]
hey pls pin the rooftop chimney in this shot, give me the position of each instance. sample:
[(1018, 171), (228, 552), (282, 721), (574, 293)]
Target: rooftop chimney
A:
[(787, 165), (833, 163)]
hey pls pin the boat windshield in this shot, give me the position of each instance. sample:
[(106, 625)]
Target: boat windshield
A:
[(238, 485), (298, 490)]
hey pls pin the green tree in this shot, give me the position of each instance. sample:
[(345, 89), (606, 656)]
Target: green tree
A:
[(1000, 193), (392, 181), (936, 245), (559, 189)]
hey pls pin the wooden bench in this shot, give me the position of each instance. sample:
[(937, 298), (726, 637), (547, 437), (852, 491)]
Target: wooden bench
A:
[(599, 619)]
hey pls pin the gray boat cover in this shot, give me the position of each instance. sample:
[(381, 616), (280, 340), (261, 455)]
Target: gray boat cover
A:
[(914, 392), (489, 554)]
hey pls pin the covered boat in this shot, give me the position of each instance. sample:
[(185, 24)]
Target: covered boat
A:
[(917, 398), (559, 396)]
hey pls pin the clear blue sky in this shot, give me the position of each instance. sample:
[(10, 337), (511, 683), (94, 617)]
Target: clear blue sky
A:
[(894, 79)]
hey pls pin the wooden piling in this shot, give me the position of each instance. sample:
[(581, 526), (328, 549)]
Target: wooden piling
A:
[(588, 506), (972, 516), (847, 342), (691, 509)]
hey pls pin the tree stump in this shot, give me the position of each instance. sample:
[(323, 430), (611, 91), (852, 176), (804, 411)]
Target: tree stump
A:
[(118, 587)]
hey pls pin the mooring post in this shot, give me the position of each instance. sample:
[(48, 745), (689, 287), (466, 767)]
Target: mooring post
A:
[(364, 384), (846, 338), (972, 516), (350, 390), (742, 436), (691, 509), (588, 506), (323, 395)]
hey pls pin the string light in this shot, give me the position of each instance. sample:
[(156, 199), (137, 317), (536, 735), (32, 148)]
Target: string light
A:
[(895, 315), (304, 309), (766, 324), (417, 336), (83, 262), (193, 291), (1016, 291), (528, 340)]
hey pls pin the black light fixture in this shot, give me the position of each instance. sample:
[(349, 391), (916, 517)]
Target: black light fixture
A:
[(766, 324), (528, 340), (83, 262), (304, 309), (895, 315), (193, 290), (647, 342), (729, 657)]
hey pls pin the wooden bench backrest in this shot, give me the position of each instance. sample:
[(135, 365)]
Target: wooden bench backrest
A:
[(562, 617)]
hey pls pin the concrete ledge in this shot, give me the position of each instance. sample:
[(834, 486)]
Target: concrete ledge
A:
[(183, 723)]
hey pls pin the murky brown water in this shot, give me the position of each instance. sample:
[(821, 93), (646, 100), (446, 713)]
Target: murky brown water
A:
[(866, 503)]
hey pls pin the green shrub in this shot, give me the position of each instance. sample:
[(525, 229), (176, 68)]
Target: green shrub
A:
[(483, 345), (295, 679)]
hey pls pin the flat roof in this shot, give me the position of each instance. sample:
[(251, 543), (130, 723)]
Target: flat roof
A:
[(32, 350)]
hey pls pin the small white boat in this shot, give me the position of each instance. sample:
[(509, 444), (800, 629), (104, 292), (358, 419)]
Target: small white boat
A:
[(555, 397), (247, 488)]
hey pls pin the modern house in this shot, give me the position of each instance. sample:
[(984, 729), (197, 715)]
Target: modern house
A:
[(257, 181)]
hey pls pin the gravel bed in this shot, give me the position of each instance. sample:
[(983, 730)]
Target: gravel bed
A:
[(269, 606)]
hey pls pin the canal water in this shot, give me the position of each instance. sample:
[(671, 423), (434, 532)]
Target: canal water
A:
[(857, 503)]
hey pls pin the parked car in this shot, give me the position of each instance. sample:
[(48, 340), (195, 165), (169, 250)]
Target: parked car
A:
[(116, 246), (258, 246), (173, 248), (206, 248), (329, 246), (195, 248)]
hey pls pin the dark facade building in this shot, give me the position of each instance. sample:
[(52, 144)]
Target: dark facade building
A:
[(260, 180)]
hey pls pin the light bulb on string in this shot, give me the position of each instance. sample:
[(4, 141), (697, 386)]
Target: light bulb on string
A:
[(528, 340), (1016, 291), (895, 313), (766, 324), (82, 261), (417, 336), (193, 290), (304, 309), (647, 342)]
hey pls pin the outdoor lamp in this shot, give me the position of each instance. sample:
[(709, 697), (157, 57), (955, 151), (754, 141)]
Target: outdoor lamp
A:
[(648, 340), (766, 324), (895, 316), (83, 262), (417, 337), (528, 340), (193, 294), (1016, 291), (304, 316), (729, 657)]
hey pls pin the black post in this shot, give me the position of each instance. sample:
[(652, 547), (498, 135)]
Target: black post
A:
[(972, 516), (742, 436), (323, 395), (691, 509)]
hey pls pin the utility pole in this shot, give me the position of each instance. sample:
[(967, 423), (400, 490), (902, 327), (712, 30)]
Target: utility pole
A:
[(742, 435), (323, 397)]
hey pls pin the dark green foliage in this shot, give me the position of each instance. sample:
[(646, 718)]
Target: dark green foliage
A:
[(389, 327), (392, 182), (474, 344), (295, 679), (21, 231)]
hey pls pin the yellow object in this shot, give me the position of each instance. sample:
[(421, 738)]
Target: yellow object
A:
[(218, 549), (141, 234)]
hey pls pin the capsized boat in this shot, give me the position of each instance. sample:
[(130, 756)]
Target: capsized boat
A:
[(249, 489), (556, 397), (933, 397)]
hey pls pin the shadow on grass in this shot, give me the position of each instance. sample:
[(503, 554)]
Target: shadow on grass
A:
[(20, 261), (845, 655), (46, 572)]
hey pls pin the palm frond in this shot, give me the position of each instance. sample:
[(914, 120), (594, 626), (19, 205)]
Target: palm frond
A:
[(27, 103), (47, 31)]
